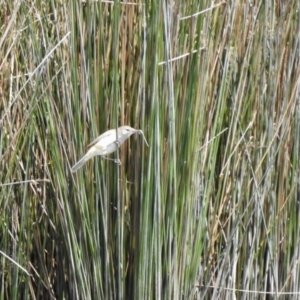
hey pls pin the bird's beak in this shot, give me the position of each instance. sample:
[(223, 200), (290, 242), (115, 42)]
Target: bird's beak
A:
[(141, 132)]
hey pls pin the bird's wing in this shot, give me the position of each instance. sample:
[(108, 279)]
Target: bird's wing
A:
[(103, 136)]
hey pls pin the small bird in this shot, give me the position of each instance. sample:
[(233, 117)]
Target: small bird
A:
[(107, 143)]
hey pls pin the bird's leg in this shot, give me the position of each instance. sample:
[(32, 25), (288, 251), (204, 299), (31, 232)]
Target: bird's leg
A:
[(116, 161)]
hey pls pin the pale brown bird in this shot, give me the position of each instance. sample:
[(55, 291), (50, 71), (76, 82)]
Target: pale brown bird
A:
[(107, 143)]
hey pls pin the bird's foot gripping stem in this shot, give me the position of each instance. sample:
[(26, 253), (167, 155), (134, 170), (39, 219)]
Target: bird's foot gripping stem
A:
[(116, 161)]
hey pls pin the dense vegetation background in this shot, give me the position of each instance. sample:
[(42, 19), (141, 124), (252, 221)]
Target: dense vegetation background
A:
[(210, 210)]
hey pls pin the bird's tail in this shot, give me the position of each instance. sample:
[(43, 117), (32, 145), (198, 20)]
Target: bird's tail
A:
[(80, 163)]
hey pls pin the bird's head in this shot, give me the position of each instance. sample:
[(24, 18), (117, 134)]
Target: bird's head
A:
[(126, 131)]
